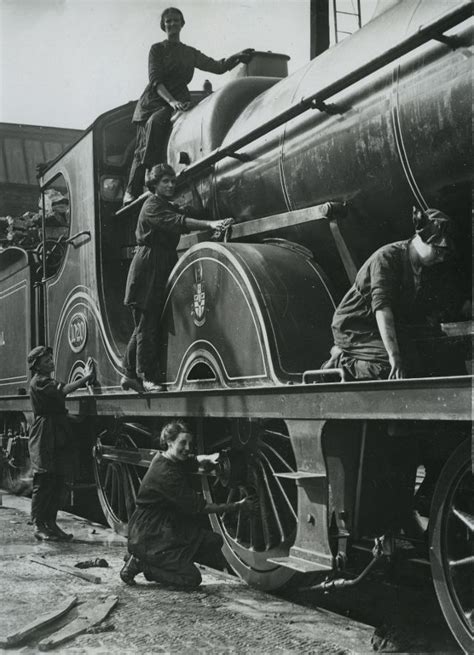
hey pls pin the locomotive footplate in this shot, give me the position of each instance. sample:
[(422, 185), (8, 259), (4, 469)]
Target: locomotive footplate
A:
[(433, 399)]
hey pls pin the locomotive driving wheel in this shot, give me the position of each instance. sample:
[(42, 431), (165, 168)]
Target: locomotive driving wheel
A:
[(15, 467), (117, 477), (452, 545), (255, 452)]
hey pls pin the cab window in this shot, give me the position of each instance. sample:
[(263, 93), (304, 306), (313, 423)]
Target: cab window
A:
[(57, 222)]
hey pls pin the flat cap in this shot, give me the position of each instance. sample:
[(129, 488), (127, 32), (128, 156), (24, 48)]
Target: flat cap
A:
[(36, 353), (435, 228)]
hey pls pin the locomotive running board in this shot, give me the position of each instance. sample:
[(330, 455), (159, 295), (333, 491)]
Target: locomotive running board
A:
[(426, 399)]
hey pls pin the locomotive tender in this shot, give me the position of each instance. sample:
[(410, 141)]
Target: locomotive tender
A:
[(319, 169)]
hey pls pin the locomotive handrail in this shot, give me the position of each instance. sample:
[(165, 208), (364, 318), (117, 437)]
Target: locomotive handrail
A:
[(83, 233), (316, 101), (135, 203)]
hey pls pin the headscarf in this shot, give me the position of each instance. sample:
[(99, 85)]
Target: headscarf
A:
[(434, 227)]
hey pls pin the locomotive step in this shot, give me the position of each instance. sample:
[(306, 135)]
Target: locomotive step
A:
[(298, 564), (300, 475)]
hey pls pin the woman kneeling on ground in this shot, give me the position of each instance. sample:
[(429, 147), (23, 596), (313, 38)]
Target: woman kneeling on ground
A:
[(165, 536)]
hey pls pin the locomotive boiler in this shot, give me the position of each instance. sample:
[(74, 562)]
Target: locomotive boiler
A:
[(318, 169)]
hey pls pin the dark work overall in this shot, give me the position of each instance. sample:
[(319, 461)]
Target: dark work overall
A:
[(49, 446), (164, 531)]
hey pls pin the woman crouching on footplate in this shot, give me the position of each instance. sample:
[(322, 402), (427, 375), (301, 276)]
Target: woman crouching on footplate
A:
[(165, 537)]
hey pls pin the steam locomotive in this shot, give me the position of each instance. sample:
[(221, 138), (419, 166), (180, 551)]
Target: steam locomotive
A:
[(318, 169)]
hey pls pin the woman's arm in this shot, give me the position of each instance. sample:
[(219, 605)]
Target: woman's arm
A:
[(386, 326), (88, 377), (249, 503), (169, 218), (210, 65), (201, 224), (163, 92)]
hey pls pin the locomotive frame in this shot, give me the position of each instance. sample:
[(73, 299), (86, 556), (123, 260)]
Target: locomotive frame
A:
[(330, 461)]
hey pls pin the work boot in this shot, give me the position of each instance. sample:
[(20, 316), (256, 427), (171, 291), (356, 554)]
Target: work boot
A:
[(43, 533), (151, 386), (131, 383), (55, 529), (131, 568)]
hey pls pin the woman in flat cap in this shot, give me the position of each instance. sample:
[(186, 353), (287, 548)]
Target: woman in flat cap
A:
[(374, 327), (369, 325), (171, 67), (50, 441)]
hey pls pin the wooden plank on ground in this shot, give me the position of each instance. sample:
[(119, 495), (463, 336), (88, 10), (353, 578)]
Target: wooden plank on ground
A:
[(29, 630), (90, 614), (90, 577)]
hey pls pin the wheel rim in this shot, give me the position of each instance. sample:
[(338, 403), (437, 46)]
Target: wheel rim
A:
[(262, 450), (451, 551), (117, 482)]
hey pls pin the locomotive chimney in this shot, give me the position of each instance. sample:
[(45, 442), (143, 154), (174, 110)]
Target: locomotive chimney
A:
[(319, 27)]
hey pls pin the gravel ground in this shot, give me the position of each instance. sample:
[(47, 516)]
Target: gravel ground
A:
[(224, 615)]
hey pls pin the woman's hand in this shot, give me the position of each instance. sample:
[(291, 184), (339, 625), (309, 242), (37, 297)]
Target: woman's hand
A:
[(219, 228), (242, 57), (248, 504), (177, 105), (208, 462), (212, 458), (397, 370), (89, 371), (89, 377)]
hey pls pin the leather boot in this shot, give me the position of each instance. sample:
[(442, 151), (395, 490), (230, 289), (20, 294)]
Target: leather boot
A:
[(131, 383), (61, 535), (131, 568), (43, 533), (150, 386)]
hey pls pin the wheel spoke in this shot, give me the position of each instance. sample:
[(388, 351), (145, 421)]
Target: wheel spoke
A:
[(220, 443), (277, 434), (264, 515), (230, 496), (113, 495), (280, 486), (462, 562), (277, 455), (465, 518), (108, 474), (272, 503), (129, 494)]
